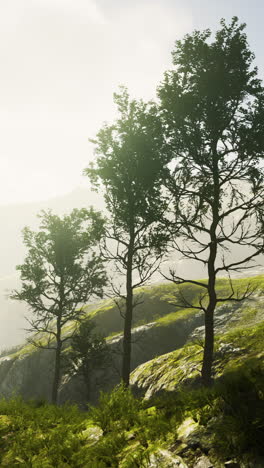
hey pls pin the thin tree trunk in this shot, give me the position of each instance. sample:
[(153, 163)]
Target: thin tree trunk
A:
[(57, 366), (128, 317), (56, 378), (209, 313), (208, 348), (87, 382)]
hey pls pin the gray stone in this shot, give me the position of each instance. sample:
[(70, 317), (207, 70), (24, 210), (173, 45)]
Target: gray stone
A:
[(231, 464), (164, 459), (30, 374), (203, 462)]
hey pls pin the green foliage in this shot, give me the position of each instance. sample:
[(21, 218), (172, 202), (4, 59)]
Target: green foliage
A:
[(61, 272), (118, 409), (239, 413), (212, 109), (61, 269), (38, 436), (88, 352), (35, 434), (137, 457), (233, 409), (48, 436), (131, 165)]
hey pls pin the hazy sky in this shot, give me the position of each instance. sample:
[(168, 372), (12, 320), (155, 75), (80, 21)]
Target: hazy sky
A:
[(61, 61)]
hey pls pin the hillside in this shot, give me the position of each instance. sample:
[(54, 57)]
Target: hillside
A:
[(158, 328), (177, 423), (12, 252)]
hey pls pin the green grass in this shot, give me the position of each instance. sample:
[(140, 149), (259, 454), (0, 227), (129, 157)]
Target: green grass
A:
[(123, 431), (175, 316), (158, 306)]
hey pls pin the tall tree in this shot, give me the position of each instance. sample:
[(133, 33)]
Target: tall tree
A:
[(212, 103), (60, 273), (131, 165)]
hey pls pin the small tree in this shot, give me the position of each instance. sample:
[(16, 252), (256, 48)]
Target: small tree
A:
[(131, 165), (61, 272), (213, 110), (89, 353)]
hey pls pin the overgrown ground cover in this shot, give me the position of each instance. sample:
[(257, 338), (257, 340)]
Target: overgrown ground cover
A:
[(227, 421), (123, 431)]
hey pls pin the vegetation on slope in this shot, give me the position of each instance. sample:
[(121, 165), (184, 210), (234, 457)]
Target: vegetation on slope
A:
[(224, 422), (157, 305)]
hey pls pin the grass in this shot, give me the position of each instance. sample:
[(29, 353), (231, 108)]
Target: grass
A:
[(158, 305), (124, 431), (175, 316)]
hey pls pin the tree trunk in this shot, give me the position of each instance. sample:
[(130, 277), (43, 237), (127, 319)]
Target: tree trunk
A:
[(87, 382), (208, 348), (209, 313), (209, 316), (128, 317), (56, 378)]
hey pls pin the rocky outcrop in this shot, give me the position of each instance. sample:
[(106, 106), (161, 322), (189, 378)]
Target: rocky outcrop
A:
[(30, 374), (29, 371)]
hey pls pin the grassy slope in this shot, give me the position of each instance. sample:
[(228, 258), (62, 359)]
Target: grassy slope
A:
[(227, 420), (244, 335), (157, 306)]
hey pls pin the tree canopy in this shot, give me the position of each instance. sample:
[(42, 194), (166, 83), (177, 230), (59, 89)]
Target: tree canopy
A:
[(213, 114), (61, 272), (131, 165)]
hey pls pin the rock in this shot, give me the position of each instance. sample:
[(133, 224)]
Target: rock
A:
[(231, 464), (92, 434), (164, 459), (186, 428), (203, 462), (29, 371), (225, 348), (202, 438), (166, 372)]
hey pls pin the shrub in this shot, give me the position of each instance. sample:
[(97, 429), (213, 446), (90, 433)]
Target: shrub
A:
[(116, 409)]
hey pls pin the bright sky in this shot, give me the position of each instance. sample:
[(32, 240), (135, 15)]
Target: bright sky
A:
[(61, 61)]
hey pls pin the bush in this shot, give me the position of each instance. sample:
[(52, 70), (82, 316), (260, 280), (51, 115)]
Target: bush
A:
[(38, 436), (118, 409), (240, 426)]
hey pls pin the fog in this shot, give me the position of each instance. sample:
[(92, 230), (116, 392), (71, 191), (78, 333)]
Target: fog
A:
[(61, 61), (12, 252)]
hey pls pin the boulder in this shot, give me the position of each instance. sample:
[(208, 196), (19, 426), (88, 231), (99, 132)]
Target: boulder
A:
[(164, 459)]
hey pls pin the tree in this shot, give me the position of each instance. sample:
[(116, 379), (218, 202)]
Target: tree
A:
[(60, 273), (212, 104), (89, 353), (131, 165)]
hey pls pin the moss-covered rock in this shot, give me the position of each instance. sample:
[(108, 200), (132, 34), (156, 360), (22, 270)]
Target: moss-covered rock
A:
[(162, 458), (166, 349)]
